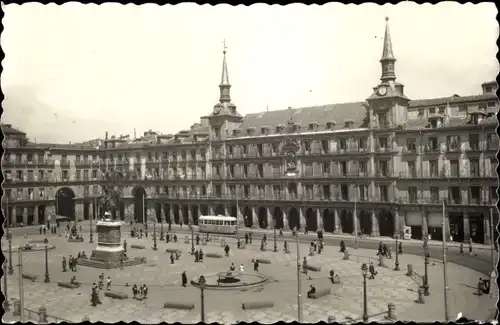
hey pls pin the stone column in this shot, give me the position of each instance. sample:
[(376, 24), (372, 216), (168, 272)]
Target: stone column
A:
[(375, 226), (226, 211), (190, 215), (487, 227), (425, 227), (302, 219), (162, 213), (356, 222), (13, 216), (171, 213), (211, 209), (399, 223), (466, 226), (336, 222), (181, 214), (319, 219), (270, 219), (286, 225), (255, 219), (25, 216), (35, 215)]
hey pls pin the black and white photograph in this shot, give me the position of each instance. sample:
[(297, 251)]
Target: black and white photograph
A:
[(221, 164)]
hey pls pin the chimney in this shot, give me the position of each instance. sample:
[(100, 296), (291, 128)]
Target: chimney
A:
[(106, 136)]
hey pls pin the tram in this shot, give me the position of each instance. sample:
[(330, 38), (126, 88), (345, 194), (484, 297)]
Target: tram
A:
[(218, 224)]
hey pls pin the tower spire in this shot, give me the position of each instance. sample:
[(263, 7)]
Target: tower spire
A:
[(388, 59), (224, 82)]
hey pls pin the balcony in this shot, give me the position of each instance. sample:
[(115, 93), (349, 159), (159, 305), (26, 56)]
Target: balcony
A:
[(406, 174), (432, 148), (409, 151)]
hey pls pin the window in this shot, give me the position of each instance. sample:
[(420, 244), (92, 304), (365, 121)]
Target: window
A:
[(64, 159), (453, 142), (411, 145), (30, 158), (78, 175), (362, 143), (474, 167), (344, 192), (231, 171), (245, 171), (492, 141), (343, 144), (455, 196), (433, 168), (325, 146), (482, 106), (259, 149), (475, 195), (274, 148), (432, 110), (412, 171), (488, 89), (77, 158), (491, 104), (307, 146), (433, 144), (326, 168), (65, 174), (382, 120), (384, 193), (382, 142), (493, 195), (260, 170), (454, 168), (412, 194), (383, 168), (442, 109), (245, 149), (434, 194), (343, 168), (362, 168), (462, 110), (363, 193), (326, 192), (493, 167), (474, 142)]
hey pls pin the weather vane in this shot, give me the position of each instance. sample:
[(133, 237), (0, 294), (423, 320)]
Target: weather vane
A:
[(225, 47)]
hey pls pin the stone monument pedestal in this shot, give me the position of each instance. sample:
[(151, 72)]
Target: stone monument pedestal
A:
[(109, 253)]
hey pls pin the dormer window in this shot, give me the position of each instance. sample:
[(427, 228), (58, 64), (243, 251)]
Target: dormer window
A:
[(279, 128), (491, 104), (432, 110), (462, 110), (236, 132), (313, 126), (330, 125), (348, 123), (250, 130), (264, 130), (296, 127), (442, 109), (436, 123)]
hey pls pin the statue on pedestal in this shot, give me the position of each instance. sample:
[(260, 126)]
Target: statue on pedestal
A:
[(112, 193)]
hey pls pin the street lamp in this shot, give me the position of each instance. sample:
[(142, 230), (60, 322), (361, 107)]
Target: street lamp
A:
[(91, 239), (192, 237), (47, 276), (364, 271), (275, 246), (426, 263), (201, 282), (155, 248), (299, 279), (396, 265), (9, 237), (162, 234), (6, 302)]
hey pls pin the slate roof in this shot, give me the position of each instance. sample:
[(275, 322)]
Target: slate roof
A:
[(8, 129), (455, 99), (337, 113)]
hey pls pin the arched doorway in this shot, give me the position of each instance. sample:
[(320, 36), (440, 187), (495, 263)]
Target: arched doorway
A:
[(311, 220), (194, 211), (365, 222), (262, 217), (346, 222), (121, 206), (185, 214), (140, 208), (247, 216), (204, 210), (219, 209), (386, 223), (293, 218), (328, 220), (158, 212), (168, 217), (233, 211), (65, 203), (175, 210), (278, 218)]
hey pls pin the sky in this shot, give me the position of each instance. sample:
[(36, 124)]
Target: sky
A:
[(73, 72)]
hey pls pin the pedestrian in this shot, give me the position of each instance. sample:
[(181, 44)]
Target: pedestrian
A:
[(135, 291), (305, 230), (470, 246), (372, 271), (101, 281), (246, 238), (196, 257), (64, 264), (332, 275), (200, 255), (121, 262), (285, 246), (250, 237), (238, 243), (145, 291), (108, 283), (184, 278), (226, 249), (125, 245), (281, 232), (197, 239), (141, 293), (461, 249), (172, 258), (255, 265), (311, 291), (40, 230), (480, 287), (170, 226), (44, 230), (175, 238), (400, 251), (389, 252), (232, 268), (304, 265), (71, 262), (167, 237)]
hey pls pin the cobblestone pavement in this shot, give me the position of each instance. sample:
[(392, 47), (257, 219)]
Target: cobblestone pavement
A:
[(163, 280)]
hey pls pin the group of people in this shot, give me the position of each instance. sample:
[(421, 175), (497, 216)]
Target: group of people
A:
[(141, 292), (72, 261)]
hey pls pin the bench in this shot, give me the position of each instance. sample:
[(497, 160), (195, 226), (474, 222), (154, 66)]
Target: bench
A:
[(75, 240), (213, 255), (173, 250), (287, 251), (28, 276), (320, 293), (138, 246), (257, 305), (141, 259), (68, 285), (314, 268), (178, 305), (115, 295), (262, 261)]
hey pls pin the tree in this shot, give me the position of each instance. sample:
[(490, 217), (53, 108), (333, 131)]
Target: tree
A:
[(112, 192)]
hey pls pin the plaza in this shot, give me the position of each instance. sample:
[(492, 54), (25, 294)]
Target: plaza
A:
[(164, 281)]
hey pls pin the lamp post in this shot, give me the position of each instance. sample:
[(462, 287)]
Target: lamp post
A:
[(155, 248), (201, 282), (9, 237), (192, 238), (426, 263), (91, 235), (6, 302), (275, 246), (47, 276), (162, 233), (299, 279), (396, 265), (364, 271)]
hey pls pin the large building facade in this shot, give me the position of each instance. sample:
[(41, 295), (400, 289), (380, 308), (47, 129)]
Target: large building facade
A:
[(372, 166)]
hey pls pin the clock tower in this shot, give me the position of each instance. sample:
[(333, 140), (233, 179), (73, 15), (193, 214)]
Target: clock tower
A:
[(388, 103), (224, 118)]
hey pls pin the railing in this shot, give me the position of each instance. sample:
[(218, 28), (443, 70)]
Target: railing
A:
[(418, 279), (362, 258), (35, 315)]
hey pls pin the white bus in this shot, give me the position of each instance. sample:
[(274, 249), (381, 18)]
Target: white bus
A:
[(218, 224)]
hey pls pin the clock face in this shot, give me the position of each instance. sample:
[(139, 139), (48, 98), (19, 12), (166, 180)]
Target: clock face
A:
[(382, 90)]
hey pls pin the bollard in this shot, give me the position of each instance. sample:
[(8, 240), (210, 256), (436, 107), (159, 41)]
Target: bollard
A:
[(391, 311), (17, 308), (346, 255), (42, 315), (331, 319), (420, 296), (186, 240), (409, 271)]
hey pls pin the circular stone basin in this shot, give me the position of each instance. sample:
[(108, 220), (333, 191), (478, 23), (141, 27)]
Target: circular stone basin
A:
[(231, 280), (35, 247)]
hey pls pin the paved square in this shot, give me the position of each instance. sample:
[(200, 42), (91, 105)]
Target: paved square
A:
[(164, 282)]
